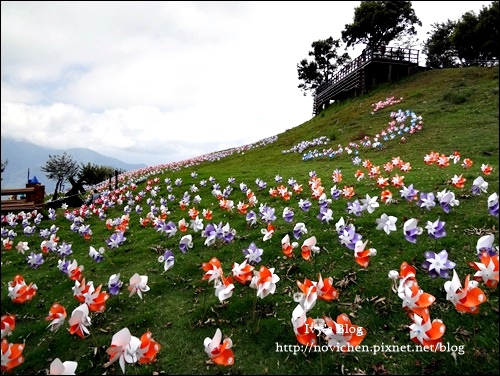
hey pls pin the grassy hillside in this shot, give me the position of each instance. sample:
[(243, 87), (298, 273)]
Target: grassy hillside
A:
[(457, 110)]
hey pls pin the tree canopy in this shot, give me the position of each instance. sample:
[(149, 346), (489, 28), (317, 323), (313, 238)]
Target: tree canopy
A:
[(472, 37), (60, 168), (325, 62), (377, 23)]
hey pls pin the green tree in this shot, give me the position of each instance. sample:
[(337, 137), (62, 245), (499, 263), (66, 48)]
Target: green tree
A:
[(377, 23), (325, 62), (440, 51), (60, 168), (92, 174), (476, 37)]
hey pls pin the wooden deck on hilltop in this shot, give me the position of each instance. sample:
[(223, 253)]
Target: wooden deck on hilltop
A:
[(361, 74)]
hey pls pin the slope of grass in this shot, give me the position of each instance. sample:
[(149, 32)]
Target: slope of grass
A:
[(459, 109)]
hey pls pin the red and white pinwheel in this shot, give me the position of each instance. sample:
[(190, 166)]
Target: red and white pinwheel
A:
[(57, 315), (19, 291), (303, 327), (146, 353), (243, 272), (325, 288), (343, 335), (425, 332), (307, 298), (224, 288), (466, 299), (218, 352), (264, 281), (11, 355), (487, 270), (361, 254), (79, 321), (288, 247), (123, 347), (8, 324), (309, 246), (213, 270)]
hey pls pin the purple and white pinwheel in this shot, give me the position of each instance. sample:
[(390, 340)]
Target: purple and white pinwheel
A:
[(438, 264), (253, 254), (411, 230), (436, 229)]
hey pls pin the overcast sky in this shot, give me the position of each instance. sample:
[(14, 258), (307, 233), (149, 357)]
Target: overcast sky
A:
[(159, 82)]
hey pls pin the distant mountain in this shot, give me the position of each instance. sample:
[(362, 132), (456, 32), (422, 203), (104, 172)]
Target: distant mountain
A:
[(23, 157)]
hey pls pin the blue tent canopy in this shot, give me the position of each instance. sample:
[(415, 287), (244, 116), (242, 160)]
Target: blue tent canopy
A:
[(33, 181)]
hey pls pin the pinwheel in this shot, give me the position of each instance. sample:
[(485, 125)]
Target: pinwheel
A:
[(409, 193), (487, 270), (21, 247), (168, 259), (182, 225), (436, 229), (81, 288), (347, 234), (218, 352), (213, 270), (288, 247), (57, 367), (386, 196), (486, 169), (493, 204), (309, 246), (427, 200), (19, 291), (148, 349), (415, 300), (243, 272), (299, 229), (224, 287), (8, 325), (7, 243), (35, 260), (123, 348), (479, 185), (485, 244), (11, 355), (467, 163), (466, 299), (264, 280), (288, 214), (342, 335), (74, 270), (307, 298), (96, 255), (186, 243), (267, 232), (438, 264), (303, 327), (386, 223), (95, 299), (138, 284), (354, 208), (411, 230), (426, 333), (447, 200), (114, 284), (57, 315), (253, 254), (458, 181), (325, 289), (361, 254), (79, 321), (370, 203)]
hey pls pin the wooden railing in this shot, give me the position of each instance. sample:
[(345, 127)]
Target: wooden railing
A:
[(33, 198), (393, 55)]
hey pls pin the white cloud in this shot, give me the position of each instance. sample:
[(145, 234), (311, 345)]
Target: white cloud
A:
[(146, 82)]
